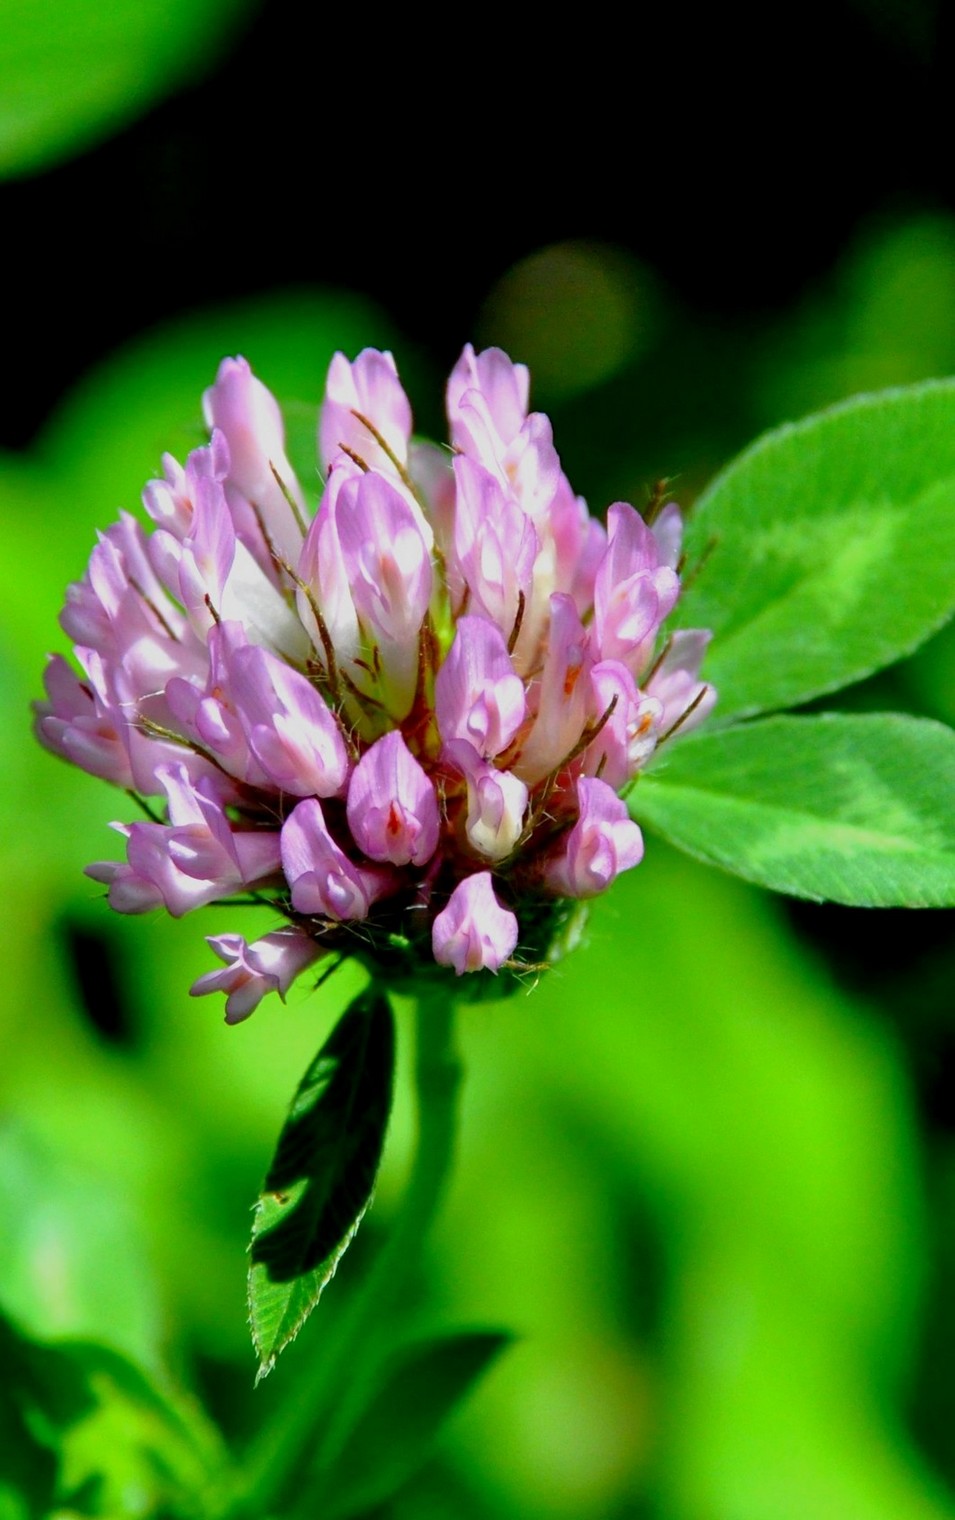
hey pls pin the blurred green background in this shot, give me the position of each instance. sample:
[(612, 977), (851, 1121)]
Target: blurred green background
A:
[(707, 1167)]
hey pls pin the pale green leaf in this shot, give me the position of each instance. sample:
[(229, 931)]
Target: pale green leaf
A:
[(321, 1178), (827, 549), (851, 809)]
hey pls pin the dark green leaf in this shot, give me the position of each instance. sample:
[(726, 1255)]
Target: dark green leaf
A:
[(853, 809), (322, 1176), (44, 1376), (833, 546), (39, 1397), (394, 1437)]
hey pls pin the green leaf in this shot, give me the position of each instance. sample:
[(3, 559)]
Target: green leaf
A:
[(394, 1436), (138, 1438), (322, 1175), (186, 1430), (72, 71), (40, 1395), (831, 549), (82, 1427), (850, 809)]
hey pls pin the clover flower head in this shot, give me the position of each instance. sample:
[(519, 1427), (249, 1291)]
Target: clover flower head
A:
[(404, 721)]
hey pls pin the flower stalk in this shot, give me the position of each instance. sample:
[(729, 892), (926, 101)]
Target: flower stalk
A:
[(307, 1434)]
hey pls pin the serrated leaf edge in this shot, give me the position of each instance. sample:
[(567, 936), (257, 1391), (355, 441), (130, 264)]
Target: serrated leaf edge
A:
[(267, 1362)]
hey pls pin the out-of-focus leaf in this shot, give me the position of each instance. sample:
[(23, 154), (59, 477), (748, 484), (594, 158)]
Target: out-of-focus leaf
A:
[(137, 1438), (39, 1397), (82, 1428), (719, 1063), (71, 71), (71, 1265), (830, 548), (852, 809), (394, 1436), (796, 1431), (321, 1178), (101, 1366)]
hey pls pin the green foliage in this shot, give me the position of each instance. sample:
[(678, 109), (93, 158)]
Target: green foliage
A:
[(40, 1395), (394, 1436), (73, 1264), (853, 809), (824, 552), (735, 1143), (82, 1429), (885, 316), (322, 1175), (71, 71), (828, 549)]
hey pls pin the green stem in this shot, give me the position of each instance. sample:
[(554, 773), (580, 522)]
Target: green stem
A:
[(308, 1433)]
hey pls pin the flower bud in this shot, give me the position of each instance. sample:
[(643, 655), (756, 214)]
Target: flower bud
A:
[(474, 933), (392, 807), (322, 878), (271, 964), (602, 843)]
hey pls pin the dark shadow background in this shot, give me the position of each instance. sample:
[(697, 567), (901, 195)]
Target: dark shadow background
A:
[(734, 155)]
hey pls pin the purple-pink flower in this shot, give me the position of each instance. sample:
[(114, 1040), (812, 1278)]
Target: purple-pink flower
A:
[(270, 964), (402, 719)]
